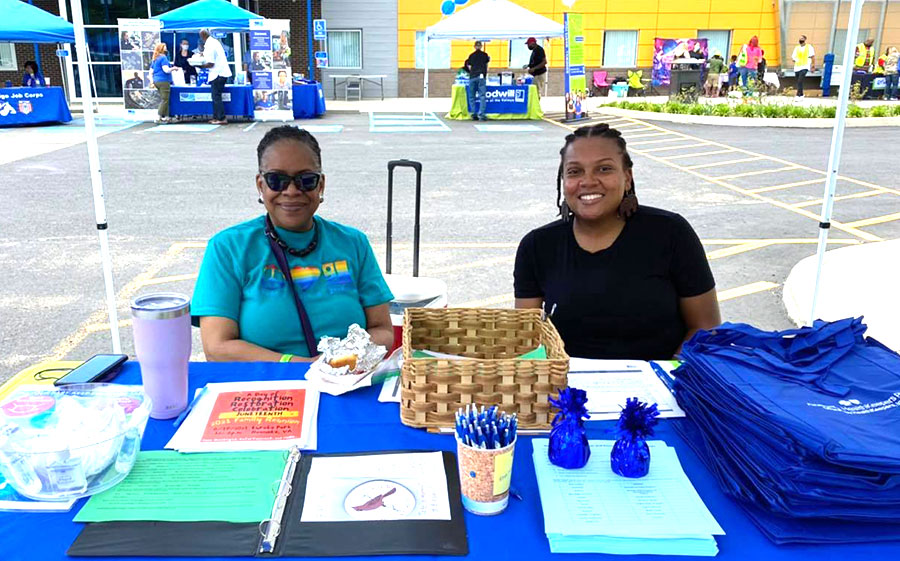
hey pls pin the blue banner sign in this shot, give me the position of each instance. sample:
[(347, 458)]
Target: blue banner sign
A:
[(506, 99)]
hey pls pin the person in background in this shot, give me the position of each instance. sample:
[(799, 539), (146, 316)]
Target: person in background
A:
[(245, 304), (537, 65), (125, 44), (620, 280), (161, 70), (804, 57), (477, 67), (761, 67), (181, 60), (864, 56), (217, 63), (713, 77), (748, 61), (879, 65), (733, 72), (891, 73), (33, 77)]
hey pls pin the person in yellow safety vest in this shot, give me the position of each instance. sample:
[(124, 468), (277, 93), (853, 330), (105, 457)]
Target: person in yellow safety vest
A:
[(865, 55)]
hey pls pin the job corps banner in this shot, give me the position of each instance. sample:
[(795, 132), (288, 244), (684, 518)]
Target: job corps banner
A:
[(137, 39), (667, 50), (575, 79), (270, 69)]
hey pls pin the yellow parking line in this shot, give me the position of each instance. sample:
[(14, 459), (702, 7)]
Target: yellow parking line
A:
[(485, 302), (745, 290), (873, 221), (171, 278), (698, 154), (859, 195), (758, 172), (724, 163), (735, 249), (787, 185), (663, 148), (646, 135)]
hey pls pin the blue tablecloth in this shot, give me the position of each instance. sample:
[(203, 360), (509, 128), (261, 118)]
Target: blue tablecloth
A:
[(31, 106), (358, 422), (197, 100), (308, 100)]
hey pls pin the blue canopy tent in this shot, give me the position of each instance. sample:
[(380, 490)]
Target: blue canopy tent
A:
[(213, 14), (24, 23)]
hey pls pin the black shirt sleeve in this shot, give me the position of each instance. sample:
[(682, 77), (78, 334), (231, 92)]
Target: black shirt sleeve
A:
[(690, 270), (525, 273)]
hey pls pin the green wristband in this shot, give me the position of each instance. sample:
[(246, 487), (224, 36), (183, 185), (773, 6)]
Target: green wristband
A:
[(286, 358)]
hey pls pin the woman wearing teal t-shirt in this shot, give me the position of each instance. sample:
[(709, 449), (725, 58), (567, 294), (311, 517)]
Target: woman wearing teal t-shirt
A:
[(246, 309)]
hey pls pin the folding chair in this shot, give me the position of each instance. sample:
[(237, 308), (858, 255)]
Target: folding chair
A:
[(634, 81), (600, 82), (354, 85)]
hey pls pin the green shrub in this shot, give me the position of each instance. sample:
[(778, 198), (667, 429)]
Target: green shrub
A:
[(854, 111), (799, 112), (746, 110), (895, 110), (879, 111), (770, 111), (698, 109), (675, 108), (656, 107), (829, 112), (721, 110)]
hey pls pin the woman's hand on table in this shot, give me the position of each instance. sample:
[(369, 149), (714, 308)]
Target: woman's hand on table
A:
[(378, 325)]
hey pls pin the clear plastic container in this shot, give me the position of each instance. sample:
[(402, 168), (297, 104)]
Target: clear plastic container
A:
[(62, 443)]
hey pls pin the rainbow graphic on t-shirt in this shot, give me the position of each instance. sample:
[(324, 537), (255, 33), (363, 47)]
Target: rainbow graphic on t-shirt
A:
[(337, 273), (272, 278), (304, 277)]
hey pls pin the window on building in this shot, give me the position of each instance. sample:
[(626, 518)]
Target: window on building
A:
[(438, 52), (8, 57), (620, 49), (345, 48), (840, 37), (519, 55), (716, 39)]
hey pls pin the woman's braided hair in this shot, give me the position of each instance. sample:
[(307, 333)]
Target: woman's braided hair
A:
[(288, 132), (600, 130)]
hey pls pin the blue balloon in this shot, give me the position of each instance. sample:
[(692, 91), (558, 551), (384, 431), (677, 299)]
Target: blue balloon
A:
[(448, 7), (460, 2)]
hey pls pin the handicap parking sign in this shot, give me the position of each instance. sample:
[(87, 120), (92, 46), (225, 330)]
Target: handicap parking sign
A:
[(320, 32), (321, 59)]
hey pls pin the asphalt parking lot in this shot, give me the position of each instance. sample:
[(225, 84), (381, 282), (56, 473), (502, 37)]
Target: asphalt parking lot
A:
[(751, 194)]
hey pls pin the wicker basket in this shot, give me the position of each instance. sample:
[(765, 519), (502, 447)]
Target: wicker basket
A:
[(433, 388)]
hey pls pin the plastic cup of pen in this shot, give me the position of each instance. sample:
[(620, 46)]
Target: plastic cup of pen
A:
[(63, 443), (484, 477)]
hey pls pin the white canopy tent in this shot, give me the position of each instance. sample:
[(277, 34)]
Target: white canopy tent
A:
[(491, 19)]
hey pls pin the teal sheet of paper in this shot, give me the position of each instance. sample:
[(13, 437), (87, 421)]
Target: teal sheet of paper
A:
[(167, 486)]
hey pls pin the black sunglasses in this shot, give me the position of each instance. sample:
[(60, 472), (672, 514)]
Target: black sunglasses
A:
[(305, 181)]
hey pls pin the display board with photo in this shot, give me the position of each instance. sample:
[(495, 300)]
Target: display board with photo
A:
[(137, 39), (270, 69)]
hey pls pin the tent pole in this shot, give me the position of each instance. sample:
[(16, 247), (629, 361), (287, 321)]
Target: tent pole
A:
[(425, 84), (96, 178), (837, 142)]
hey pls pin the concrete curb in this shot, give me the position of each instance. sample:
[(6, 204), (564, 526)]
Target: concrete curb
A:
[(811, 123), (858, 280)]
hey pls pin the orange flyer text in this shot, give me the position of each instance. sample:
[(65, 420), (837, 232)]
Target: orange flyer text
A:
[(256, 415)]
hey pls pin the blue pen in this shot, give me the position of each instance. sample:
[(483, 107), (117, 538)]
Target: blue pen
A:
[(663, 376), (184, 413)]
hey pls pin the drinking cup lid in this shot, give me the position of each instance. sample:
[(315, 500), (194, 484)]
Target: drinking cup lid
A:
[(161, 305)]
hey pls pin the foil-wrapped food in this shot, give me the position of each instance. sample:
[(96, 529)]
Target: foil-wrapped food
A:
[(345, 364)]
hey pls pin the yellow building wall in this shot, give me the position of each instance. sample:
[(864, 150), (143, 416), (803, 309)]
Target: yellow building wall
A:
[(652, 18)]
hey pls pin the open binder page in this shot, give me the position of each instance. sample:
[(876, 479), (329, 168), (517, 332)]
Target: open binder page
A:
[(409, 486)]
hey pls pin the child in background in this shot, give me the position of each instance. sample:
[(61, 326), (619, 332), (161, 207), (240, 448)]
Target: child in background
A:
[(732, 72)]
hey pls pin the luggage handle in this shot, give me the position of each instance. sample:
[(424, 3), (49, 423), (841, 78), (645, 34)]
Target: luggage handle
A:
[(404, 163)]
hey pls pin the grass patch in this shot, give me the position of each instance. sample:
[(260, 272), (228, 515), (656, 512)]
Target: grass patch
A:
[(758, 110)]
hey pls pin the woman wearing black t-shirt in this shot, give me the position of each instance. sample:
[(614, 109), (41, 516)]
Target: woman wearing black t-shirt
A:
[(622, 281)]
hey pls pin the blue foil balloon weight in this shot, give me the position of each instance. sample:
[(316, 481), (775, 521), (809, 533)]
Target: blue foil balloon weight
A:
[(630, 456), (568, 442)]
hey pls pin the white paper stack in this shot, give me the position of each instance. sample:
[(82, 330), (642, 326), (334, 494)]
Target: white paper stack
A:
[(264, 415), (609, 383), (594, 510)]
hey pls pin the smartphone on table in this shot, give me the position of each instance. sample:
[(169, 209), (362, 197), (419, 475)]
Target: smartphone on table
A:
[(98, 368)]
